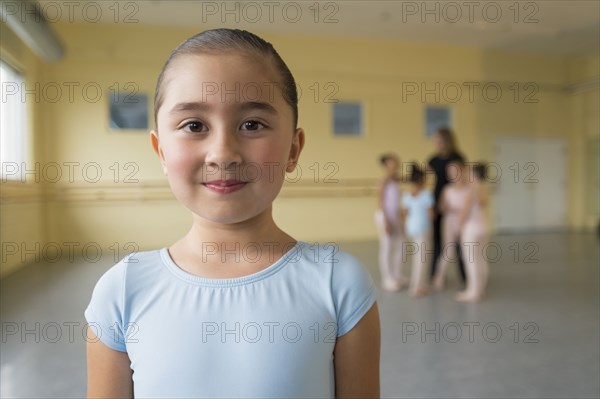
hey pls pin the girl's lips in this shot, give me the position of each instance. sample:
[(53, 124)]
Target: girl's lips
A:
[(225, 187)]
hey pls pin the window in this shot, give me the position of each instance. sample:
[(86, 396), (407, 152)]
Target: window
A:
[(435, 118), (347, 119), (13, 129), (128, 111)]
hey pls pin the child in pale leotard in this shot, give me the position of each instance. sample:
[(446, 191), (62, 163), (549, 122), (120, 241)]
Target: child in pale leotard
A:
[(417, 213), (474, 232), (389, 226), (208, 315), (452, 203)]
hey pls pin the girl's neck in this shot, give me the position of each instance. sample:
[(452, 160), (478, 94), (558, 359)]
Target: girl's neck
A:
[(259, 230), (246, 247), (392, 176)]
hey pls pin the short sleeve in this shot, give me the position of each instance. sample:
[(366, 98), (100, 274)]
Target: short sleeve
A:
[(353, 291), (104, 313)]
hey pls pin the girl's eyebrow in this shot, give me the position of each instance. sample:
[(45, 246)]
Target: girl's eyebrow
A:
[(243, 106), (259, 105), (190, 106)]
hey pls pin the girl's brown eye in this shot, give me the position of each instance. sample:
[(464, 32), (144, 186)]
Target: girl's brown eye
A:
[(252, 125), (194, 127)]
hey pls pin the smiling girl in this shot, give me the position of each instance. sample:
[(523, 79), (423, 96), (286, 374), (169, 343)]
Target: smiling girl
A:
[(237, 307)]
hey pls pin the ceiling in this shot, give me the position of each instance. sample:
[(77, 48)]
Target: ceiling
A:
[(550, 27)]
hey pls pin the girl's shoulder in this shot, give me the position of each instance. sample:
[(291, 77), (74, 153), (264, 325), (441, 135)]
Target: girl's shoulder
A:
[(321, 253), (340, 264), (134, 268)]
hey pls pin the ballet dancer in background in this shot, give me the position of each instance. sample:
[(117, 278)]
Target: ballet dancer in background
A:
[(451, 206), (475, 234), (417, 213), (389, 226), (446, 152)]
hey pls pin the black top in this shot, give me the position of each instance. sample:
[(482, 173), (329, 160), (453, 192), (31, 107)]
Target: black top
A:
[(438, 164)]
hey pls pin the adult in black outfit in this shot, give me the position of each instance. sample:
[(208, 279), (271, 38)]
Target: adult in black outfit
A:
[(446, 152)]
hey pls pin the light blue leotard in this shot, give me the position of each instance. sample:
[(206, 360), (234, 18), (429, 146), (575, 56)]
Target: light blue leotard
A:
[(270, 334)]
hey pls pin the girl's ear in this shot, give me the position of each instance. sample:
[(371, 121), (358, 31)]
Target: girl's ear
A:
[(158, 149), (297, 146)]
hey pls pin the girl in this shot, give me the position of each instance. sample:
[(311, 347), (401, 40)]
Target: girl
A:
[(417, 214), (391, 231), (445, 152), (475, 232), (451, 205), (237, 307)]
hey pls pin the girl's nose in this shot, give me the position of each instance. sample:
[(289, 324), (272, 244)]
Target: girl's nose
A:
[(223, 151)]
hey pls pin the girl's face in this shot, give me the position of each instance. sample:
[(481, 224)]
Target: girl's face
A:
[(391, 166), (226, 136)]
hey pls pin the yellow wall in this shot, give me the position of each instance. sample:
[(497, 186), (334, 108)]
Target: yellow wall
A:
[(373, 71)]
